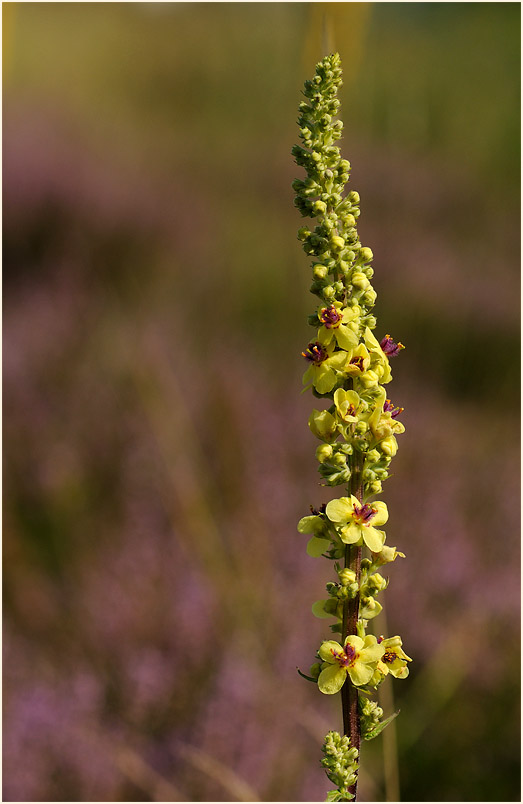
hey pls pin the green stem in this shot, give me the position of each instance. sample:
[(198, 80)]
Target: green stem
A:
[(349, 693)]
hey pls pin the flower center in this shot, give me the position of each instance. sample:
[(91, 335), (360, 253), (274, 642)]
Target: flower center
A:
[(346, 656), (363, 514), (315, 353), (330, 317), (358, 362), (390, 348), (388, 657)]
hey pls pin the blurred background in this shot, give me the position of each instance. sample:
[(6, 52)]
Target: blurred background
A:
[(156, 451)]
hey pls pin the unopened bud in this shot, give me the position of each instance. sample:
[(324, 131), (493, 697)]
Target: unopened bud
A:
[(323, 452), (389, 446), (359, 280), (337, 243), (366, 254), (319, 271), (369, 297), (346, 576)]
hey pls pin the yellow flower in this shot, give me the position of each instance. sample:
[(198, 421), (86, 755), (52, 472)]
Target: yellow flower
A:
[(334, 319), (355, 522), (394, 659), (348, 404), (357, 659), (324, 365)]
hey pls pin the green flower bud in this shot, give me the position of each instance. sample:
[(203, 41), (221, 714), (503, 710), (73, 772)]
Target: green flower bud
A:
[(346, 576), (354, 197), (339, 460), (349, 220), (376, 583), (328, 292), (322, 424), (337, 243), (386, 555), (359, 280), (303, 233), (389, 446), (369, 297), (319, 207), (375, 487), (319, 271), (366, 254), (323, 452)]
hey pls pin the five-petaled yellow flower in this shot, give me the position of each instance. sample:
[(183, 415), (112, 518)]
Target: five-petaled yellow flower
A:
[(358, 658), (356, 522)]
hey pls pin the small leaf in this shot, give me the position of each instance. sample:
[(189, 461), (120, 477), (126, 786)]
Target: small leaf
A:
[(379, 728), (308, 678)]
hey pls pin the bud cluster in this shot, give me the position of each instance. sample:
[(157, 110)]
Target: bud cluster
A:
[(347, 368), (341, 765)]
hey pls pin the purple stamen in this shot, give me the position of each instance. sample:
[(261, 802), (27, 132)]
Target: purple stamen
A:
[(315, 353), (330, 317), (346, 656), (358, 362), (390, 348), (363, 514), (388, 407)]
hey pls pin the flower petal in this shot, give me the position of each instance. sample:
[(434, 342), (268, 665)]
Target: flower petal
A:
[(325, 336), (360, 673), (355, 642), (326, 648), (373, 538), (339, 510), (352, 533), (332, 679), (325, 379), (382, 513), (318, 609), (338, 360), (371, 651), (310, 524), (347, 339), (316, 547)]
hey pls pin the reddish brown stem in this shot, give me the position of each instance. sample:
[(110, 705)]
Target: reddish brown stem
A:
[(349, 693)]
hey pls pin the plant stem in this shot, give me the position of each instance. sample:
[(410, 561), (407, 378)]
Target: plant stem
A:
[(349, 693)]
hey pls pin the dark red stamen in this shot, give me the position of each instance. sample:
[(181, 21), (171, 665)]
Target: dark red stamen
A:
[(315, 353), (390, 348), (389, 656), (363, 514), (346, 656), (330, 317), (358, 362), (388, 407)]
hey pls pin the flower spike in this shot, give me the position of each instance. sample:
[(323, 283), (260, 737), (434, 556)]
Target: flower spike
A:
[(347, 367)]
